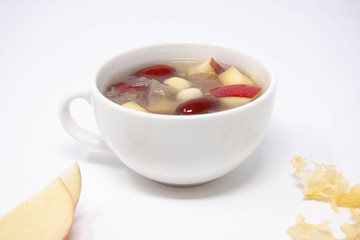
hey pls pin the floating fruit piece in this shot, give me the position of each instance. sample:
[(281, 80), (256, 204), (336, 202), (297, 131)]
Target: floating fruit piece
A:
[(201, 68), (198, 106), (233, 76), (158, 72), (177, 83), (134, 106), (189, 93), (235, 95), (216, 66), (233, 102), (162, 106), (235, 91)]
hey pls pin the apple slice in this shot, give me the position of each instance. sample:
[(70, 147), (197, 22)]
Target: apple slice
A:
[(201, 68), (216, 66), (162, 106), (233, 102), (233, 76), (71, 177), (235, 95), (235, 91), (46, 215), (134, 106)]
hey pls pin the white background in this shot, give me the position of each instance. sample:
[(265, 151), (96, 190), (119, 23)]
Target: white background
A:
[(49, 49)]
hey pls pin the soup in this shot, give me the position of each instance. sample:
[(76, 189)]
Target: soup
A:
[(184, 87)]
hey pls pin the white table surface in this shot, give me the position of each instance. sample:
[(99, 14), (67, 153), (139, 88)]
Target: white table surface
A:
[(49, 49)]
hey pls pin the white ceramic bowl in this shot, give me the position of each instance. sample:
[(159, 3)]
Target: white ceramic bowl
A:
[(178, 150)]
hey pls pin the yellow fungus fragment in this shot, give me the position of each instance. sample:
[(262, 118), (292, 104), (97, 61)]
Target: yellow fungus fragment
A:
[(352, 231), (350, 199), (322, 231), (325, 183), (305, 231), (355, 212)]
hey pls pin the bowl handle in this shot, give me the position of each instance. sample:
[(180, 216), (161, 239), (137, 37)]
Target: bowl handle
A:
[(76, 131)]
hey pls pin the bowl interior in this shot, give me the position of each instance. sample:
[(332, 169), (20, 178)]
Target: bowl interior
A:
[(143, 57)]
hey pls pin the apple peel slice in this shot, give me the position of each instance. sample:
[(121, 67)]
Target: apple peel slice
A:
[(216, 66), (237, 90), (71, 178), (235, 95)]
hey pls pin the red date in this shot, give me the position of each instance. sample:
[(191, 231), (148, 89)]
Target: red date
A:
[(157, 72), (198, 106)]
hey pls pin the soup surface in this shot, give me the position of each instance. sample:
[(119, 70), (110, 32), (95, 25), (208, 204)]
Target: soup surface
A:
[(184, 87)]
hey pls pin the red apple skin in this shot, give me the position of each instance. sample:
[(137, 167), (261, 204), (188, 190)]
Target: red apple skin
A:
[(120, 88), (157, 72), (235, 91), (200, 105), (217, 68)]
